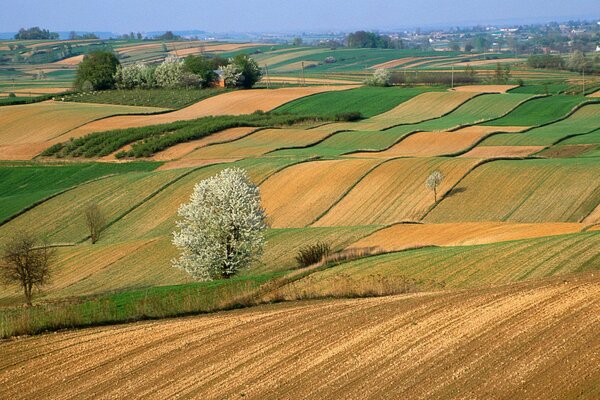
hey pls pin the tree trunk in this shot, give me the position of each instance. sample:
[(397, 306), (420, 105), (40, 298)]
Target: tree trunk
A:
[(28, 289)]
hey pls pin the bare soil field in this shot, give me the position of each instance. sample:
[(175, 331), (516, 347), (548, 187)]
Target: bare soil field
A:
[(429, 144), (531, 340), (395, 63), (406, 236), (232, 103), (488, 62), (213, 48), (502, 151), (71, 61)]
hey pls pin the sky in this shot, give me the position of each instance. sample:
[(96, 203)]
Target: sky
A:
[(280, 16)]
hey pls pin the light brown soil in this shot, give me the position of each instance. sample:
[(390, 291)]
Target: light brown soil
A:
[(485, 88), (394, 63), (428, 144), (533, 340), (567, 150), (502, 151), (70, 61), (405, 236), (213, 48), (231, 103), (595, 94), (488, 62)]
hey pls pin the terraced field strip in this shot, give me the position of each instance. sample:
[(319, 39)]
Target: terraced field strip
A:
[(275, 60), (298, 195), (26, 130), (561, 190), (586, 119), (419, 345), (422, 107), (344, 142), (429, 144), (539, 111), (22, 186), (261, 142), (232, 103), (395, 191), (485, 88), (502, 151), (182, 150), (369, 101), (71, 61), (214, 48), (587, 145), (467, 266), (478, 63), (395, 63), (406, 236), (62, 218)]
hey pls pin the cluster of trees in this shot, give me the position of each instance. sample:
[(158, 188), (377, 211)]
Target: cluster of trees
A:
[(131, 36), (381, 77), (102, 70), (372, 40), (84, 36), (35, 33), (576, 62)]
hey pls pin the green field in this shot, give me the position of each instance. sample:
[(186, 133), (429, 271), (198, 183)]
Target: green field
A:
[(22, 185), (369, 101), (162, 98), (539, 111), (584, 120)]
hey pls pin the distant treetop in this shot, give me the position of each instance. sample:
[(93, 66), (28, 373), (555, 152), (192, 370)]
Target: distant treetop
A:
[(35, 33)]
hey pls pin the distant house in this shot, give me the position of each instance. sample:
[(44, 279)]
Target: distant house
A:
[(220, 78)]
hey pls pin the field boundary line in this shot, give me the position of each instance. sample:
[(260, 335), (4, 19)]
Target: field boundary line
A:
[(348, 190)]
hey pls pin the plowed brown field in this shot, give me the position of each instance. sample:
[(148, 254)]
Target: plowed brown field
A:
[(429, 144), (232, 103), (502, 151), (533, 340), (296, 196), (405, 236)]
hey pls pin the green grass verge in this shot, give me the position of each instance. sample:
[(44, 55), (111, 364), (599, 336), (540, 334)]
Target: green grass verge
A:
[(22, 185), (162, 98), (132, 305)]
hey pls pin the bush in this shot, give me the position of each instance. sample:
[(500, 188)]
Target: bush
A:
[(135, 76), (330, 60), (312, 254), (381, 77), (11, 94), (349, 116), (170, 73)]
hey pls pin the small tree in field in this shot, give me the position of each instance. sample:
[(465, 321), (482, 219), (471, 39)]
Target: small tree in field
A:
[(433, 182), (221, 230), (381, 77), (95, 221), (26, 262)]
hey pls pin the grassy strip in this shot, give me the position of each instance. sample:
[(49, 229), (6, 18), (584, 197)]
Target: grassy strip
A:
[(22, 186), (161, 98), (132, 305), (149, 140)]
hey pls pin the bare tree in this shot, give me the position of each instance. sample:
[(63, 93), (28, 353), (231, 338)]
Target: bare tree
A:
[(95, 221), (26, 262), (433, 182)]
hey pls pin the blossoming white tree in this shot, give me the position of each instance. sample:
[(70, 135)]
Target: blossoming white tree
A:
[(381, 77), (231, 75), (222, 227), (433, 182), (170, 73)]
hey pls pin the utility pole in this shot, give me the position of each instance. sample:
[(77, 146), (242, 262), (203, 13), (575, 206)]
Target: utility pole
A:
[(583, 84), (453, 77), (303, 78), (268, 78)]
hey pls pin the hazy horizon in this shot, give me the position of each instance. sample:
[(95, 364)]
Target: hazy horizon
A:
[(283, 16)]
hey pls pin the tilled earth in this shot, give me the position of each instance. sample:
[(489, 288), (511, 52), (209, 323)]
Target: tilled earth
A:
[(533, 340)]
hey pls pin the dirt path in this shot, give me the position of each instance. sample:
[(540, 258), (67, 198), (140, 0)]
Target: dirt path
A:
[(531, 340)]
